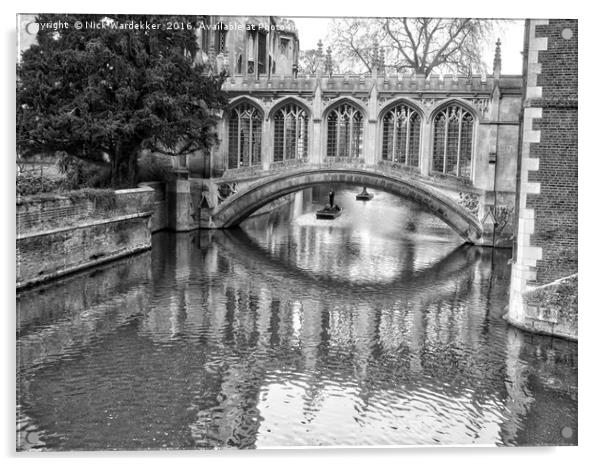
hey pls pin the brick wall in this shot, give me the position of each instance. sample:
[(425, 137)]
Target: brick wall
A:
[(555, 206), (545, 239)]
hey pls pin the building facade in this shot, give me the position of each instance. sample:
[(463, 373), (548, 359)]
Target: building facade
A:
[(248, 46), (544, 272), (458, 134)]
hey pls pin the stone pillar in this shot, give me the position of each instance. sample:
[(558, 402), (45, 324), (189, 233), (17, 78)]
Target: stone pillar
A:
[(267, 142), (319, 141), (425, 152), (370, 145), (317, 149), (180, 211)]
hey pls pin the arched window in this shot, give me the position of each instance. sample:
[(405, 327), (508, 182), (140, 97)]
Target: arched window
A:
[(244, 149), (452, 145), (401, 135), (290, 133), (345, 131)]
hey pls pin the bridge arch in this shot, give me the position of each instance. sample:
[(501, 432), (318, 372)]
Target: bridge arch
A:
[(239, 206)]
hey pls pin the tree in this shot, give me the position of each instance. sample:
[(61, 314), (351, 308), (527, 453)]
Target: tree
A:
[(420, 45), (309, 61), (107, 93)]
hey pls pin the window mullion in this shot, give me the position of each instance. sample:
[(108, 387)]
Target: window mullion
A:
[(297, 132), (445, 141), (285, 120), (407, 138), (239, 145), (350, 143), (459, 143), (338, 122), (394, 140), (250, 142)]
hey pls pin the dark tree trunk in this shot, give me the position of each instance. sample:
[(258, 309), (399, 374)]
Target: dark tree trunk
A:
[(124, 166), (133, 168)]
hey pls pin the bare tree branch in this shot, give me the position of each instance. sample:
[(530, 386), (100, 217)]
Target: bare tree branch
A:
[(424, 45)]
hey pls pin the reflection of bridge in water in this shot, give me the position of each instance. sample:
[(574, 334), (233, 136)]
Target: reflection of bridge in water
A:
[(386, 326), (239, 247), (233, 343)]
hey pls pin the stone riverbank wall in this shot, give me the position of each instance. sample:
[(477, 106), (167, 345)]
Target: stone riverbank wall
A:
[(60, 234)]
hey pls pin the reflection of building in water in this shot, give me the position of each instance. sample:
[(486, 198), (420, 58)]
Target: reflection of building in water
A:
[(424, 328), (249, 343)]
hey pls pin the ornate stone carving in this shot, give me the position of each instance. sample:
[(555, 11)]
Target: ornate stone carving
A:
[(502, 215), (481, 104), (470, 201), (225, 190)]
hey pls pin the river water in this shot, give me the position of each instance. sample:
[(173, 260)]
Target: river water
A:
[(377, 328)]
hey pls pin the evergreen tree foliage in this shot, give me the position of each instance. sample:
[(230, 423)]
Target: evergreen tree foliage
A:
[(107, 93)]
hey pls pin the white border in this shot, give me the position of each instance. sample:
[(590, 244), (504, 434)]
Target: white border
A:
[(589, 172)]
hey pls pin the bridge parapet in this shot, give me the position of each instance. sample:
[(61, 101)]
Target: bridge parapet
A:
[(349, 84), (248, 175)]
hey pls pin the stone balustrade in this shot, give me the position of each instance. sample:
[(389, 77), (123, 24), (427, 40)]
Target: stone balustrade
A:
[(383, 83)]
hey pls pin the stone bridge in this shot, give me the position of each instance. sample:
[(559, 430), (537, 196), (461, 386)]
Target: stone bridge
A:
[(455, 205), (447, 143)]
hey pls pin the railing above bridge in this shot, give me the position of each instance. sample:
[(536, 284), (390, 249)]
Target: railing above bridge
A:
[(249, 174), (364, 83)]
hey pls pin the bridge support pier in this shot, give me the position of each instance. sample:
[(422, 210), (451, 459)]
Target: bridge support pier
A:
[(181, 215)]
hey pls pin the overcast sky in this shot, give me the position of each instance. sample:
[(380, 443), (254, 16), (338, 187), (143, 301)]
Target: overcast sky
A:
[(510, 33)]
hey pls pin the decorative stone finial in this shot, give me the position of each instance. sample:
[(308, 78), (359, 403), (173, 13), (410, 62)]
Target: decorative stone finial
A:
[(497, 61), (375, 56), (328, 62)]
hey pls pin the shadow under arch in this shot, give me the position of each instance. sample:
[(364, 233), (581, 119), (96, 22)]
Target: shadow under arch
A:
[(238, 207)]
